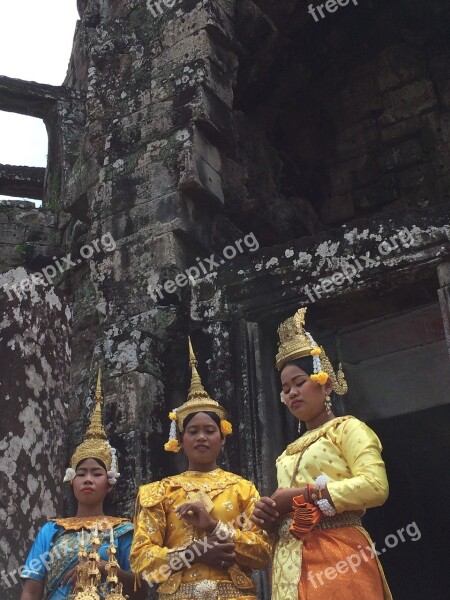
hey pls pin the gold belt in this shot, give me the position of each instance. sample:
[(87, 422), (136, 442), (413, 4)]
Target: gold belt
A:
[(207, 589), (341, 520)]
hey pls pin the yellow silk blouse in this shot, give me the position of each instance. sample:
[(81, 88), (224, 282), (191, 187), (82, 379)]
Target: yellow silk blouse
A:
[(158, 529), (349, 453)]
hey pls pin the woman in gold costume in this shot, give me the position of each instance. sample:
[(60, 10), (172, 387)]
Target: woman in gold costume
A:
[(327, 479), (193, 534), (50, 569)]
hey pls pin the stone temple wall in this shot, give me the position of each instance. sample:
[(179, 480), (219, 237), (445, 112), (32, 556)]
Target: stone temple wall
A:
[(34, 365), (281, 161)]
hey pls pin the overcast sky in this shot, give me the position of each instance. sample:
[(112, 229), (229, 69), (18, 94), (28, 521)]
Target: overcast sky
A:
[(35, 44)]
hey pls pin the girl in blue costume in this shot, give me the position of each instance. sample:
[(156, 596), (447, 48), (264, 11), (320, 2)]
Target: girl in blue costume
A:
[(50, 568)]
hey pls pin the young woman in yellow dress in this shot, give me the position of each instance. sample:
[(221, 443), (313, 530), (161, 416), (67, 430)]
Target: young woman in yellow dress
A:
[(50, 569), (193, 533), (327, 479)]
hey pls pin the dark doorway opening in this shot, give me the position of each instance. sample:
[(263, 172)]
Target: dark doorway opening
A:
[(416, 448)]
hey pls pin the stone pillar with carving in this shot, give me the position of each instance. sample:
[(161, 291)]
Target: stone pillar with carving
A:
[(443, 272)]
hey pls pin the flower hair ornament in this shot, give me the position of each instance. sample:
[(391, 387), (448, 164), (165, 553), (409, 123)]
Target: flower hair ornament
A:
[(95, 444), (198, 401), (296, 342)]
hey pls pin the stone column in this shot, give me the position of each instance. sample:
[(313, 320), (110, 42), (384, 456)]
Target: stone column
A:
[(34, 367), (443, 272)]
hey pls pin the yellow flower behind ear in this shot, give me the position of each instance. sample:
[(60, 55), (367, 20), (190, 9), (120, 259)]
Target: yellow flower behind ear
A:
[(172, 446), (315, 351), (172, 416), (320, 378), (226, 427)]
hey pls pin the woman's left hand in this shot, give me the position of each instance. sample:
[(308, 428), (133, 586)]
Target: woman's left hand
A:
[(101, 564), (196, 515), (283, 497)]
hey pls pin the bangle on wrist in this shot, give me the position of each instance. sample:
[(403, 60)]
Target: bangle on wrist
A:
[(321, 482), (314, 495), (326, 507)]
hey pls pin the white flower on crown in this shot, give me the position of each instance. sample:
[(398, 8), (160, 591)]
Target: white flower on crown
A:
[(317, 364), (70, 474), (113, 474)]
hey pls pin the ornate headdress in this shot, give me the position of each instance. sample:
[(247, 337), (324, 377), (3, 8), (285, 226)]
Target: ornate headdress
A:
[(295, 343), (198, 401), (95, 443)]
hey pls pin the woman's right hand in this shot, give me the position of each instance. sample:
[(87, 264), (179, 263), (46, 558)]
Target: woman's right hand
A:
[(70, 576), (265, 514), (32, 590), (220, 555)]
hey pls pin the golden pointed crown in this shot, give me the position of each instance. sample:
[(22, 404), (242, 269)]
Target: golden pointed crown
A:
[(296, 342), (198, 398), (95, 443)]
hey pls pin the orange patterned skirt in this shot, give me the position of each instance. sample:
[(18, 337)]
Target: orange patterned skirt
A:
[(339, 564)]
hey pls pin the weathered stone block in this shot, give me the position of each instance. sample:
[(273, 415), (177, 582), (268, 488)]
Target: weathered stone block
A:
[(355, 172), (398, 369), (199, 177), (384, 191), (358, 139), (214, 118), (395, 132), (12, 234), (401, 155), (195, 47), (396, 333), (408, 101), (443, 92), (360, 98), (338, 209), (417, 176), (134, 265), (154, 217), (399, 65), (207, 15), (131, 402), (440, 159), (180, 80), (10, 257)]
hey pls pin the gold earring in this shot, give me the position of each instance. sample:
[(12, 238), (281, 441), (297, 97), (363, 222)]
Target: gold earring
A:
[(328, 404)]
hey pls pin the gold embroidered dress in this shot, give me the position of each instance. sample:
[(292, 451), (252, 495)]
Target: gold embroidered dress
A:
[(348, 453), (158, 531)]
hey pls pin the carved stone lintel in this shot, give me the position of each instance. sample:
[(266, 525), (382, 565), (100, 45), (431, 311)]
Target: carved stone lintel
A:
[(22, 182)]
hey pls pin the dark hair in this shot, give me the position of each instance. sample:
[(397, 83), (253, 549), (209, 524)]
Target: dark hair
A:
[(215, 417), (100, 462), (305, 364)]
